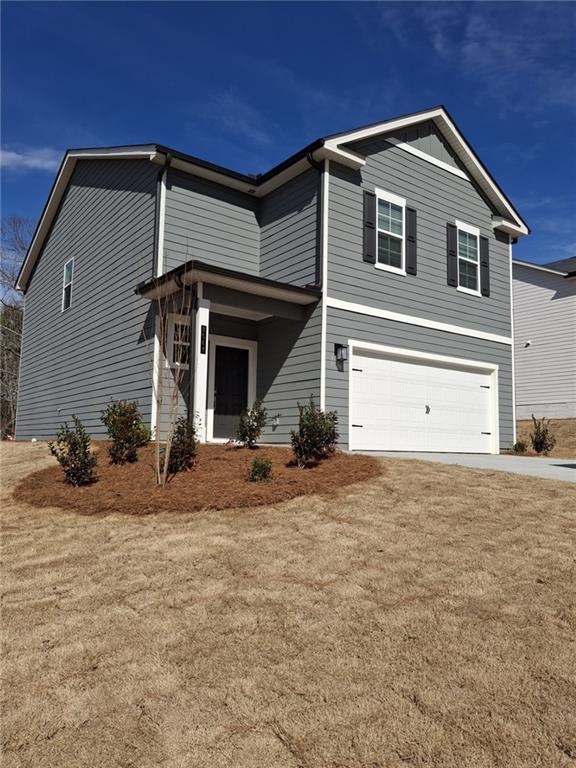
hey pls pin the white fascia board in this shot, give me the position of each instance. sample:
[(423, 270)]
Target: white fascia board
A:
[(538, 267), (342, 156), (504, 225), (458, 144), (389, 125), (60, 185)]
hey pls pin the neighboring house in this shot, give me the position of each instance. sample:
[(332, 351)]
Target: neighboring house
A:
[(545, 338), (370, 271)]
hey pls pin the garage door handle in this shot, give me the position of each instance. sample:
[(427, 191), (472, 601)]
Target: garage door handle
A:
[(358, 425), (427, 409), (485, 433)]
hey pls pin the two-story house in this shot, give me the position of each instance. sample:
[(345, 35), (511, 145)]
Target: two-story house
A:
[(370, 271)]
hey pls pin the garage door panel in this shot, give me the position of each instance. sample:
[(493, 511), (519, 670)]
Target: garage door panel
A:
[(406, 406)]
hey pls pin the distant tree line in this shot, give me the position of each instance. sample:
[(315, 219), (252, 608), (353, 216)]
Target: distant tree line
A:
[(15, 236)]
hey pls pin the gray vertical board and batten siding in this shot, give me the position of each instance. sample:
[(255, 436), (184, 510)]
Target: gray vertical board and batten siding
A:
[(74, 362), (425, 137), (439, 197), (289, 224), (210, 223)]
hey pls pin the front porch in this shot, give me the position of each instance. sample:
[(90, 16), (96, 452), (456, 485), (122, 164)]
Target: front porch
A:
[(223, 339)]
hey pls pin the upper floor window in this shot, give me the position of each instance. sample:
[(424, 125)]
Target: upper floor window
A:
[(67, 284), (390, 253), (468, 258), (178, 342)]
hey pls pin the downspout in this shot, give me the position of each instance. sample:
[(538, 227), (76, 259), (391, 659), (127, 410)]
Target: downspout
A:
[(158, 240), (319, 234)]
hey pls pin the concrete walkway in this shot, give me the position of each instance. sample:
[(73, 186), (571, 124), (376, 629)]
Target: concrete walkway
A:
[(548, 468)]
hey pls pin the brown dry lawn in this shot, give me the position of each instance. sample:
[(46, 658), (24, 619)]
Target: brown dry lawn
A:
[(564, 431), (425, 617)]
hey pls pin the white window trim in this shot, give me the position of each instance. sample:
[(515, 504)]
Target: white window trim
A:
[(389, 197), (65, 285), (228, 341), (461, 226), (172, 320)]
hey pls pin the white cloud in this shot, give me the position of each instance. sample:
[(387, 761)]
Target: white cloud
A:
[(31, 158)]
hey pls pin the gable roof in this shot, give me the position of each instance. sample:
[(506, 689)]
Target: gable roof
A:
[(332, 147)]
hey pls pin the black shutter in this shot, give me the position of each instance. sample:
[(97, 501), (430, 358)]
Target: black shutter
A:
[(369, 227), (411, 241), (452, 254), (484, 267)]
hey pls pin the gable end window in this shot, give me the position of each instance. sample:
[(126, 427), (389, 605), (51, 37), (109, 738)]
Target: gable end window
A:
[(390, 232), (178, 342), (468, 249), (67, 285)]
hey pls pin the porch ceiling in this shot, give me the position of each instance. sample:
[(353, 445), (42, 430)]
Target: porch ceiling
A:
[(199, 272)]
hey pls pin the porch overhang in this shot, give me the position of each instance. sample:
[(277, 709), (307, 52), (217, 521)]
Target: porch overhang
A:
[(192, 272)]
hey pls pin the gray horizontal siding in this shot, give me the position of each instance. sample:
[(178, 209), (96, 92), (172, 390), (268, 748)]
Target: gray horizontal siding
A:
[(288, 231), (439, 197), (288, 369), (343, 326), (545, 316), (211, 223), (75, 362)]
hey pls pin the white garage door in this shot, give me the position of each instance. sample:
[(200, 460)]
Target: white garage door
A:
[(400, 405)]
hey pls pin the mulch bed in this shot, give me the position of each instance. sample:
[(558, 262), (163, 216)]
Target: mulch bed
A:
[(218, 481)]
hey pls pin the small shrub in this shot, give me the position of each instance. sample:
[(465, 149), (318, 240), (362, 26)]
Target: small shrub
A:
[(184, 446), (520, 446), (126, 429), (72, 451), (542, 438), (317, 435), (252, 422), (260, 470)]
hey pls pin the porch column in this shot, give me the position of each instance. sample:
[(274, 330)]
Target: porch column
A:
[(200, 378)]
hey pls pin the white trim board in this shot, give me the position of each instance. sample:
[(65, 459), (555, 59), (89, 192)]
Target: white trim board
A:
[(460, 147), (385, 314), (355, 345), (228, 341), (513, 347), (428, 158), (325, 209)]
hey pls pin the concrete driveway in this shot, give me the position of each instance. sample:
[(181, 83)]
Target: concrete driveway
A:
[(548, 468)]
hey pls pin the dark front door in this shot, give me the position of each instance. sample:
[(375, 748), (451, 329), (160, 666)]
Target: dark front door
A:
[(230, 389)]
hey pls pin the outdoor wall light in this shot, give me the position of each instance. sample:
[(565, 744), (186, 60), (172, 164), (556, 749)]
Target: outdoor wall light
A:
[(341, 352)]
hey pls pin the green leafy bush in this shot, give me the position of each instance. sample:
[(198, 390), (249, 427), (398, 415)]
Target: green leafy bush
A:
[(126, 429), (252, 422), (260, 470), (184, 446), (542, 438), (317, 435), (520, 446), (72, 451)]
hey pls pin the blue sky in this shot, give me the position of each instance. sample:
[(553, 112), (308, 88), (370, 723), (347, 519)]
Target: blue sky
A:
[(247, 84)]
